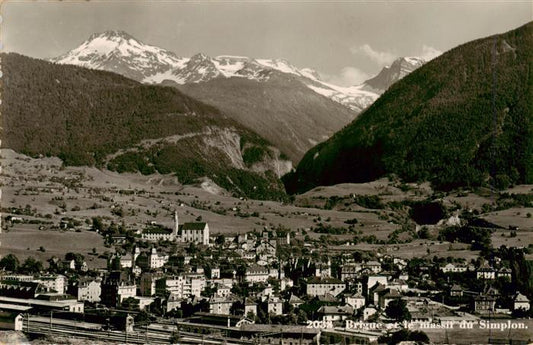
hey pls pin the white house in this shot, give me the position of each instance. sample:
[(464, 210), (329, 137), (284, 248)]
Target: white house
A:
[(356, 301), (215, 273), (156, 234), (53, 282), (89, 289), (257, 274), (223, 291), (486, 272), (125, 291), (374, 266), (373, 280), (368, 312), (155, 260), (335, 313), (452, 268), (322, 286), (275, 305), (350, 271), (521, 302), (182, 286)]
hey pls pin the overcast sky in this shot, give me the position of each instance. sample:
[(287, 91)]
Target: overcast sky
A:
[(345, 41)]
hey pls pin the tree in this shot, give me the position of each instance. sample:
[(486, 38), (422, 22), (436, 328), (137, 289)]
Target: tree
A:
[(10, 263), (77, 257), (142, 317), (31, 265), (424, 233), (301, 317), (220, 240), (397, 309), (97, 224)]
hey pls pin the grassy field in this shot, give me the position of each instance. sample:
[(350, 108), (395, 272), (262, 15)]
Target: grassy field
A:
[(25, 240), (44, 190), (416, 249)]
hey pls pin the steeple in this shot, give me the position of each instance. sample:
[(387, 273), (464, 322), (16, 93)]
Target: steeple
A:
[(176, 225)]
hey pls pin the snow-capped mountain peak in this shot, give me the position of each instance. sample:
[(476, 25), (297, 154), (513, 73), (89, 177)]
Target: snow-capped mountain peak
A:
[(391, 74), (117, 51)]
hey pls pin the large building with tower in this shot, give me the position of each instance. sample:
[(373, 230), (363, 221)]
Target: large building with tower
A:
[(192, 232)]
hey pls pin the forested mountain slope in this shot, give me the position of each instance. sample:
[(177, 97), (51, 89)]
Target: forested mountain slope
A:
[(464, 118)]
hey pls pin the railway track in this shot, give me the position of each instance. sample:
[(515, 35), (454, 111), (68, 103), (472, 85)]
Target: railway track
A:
[(151, 334)]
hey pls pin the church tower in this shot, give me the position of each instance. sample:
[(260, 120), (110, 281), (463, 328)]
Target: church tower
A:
[(176, 226)]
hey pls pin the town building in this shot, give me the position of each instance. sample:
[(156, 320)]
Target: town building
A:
[(274, 305), (453, 268), (53, 282), (115, 288), (484, 303), (223, 291), (182, 286), (504, 272), (250, 307), (147, 284), (350, 271), (215, 273), (520, 302), (387, 296), (220, 305), (374, 266), (373, 280), (194, 233), (321, 286), (156, 260), (335, 313), (257, 274), (87, 289), (486, 272), (295, 301), (356, 301), (456, 291)]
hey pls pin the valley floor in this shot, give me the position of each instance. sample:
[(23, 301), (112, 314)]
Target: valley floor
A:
[(48, 195)]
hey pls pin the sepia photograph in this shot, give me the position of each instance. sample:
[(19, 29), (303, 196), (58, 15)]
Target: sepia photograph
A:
[(300, 172)]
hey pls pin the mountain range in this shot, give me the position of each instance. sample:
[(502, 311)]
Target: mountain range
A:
[(463, 119), (119, 52), (287, 105)]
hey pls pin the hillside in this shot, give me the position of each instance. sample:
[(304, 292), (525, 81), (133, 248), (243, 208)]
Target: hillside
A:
[(89, 117), (282, 109), (463, 119)]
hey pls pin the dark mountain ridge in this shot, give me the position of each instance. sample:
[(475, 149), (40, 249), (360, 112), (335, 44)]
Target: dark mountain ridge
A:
[(463, 119), (90, 117)]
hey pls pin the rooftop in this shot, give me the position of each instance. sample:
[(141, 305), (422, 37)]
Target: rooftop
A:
[(193, 226)]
